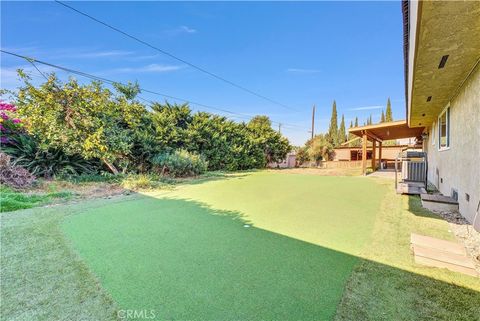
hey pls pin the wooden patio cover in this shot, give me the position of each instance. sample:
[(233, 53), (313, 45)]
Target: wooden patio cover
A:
[(378, 133)]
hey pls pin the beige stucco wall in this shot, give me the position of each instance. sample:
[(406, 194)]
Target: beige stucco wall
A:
[(459, 166), (388, 152), (341, 154)]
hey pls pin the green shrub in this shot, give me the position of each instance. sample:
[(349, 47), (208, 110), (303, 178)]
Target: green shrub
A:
[(26, 152), (124, 134), (180, 163), (144, 182)]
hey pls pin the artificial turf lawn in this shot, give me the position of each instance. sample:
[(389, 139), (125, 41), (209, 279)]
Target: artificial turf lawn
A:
[(187, 254), (43, 278)]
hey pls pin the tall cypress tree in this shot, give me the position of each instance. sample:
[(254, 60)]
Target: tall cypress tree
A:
[(356, 121), (350, 135), (342, 135), (369, 122), (382, 119), (388, 113), (333, 129)]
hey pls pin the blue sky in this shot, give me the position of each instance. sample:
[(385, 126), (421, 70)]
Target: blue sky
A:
[(299, 54)]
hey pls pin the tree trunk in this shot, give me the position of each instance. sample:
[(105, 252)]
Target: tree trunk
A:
[(110, 167)]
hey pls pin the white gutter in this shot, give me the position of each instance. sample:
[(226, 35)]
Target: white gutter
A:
[(412, 35)]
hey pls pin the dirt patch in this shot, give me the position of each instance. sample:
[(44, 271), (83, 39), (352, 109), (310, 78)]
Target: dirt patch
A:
[(83, 190), (101, 190)]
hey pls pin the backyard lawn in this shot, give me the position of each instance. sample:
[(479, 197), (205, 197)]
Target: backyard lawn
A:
[(264, 245)]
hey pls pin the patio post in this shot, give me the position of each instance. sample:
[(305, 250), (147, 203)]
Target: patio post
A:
[(364, 153), (374, 151), (380, 154)]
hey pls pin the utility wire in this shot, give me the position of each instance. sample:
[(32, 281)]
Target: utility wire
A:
[(112, 82), (176, 57)]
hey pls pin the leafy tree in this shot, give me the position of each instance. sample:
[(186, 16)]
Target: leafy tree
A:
[(94, 123), (388, 113), (170, 123), (130, 90), (87, 120), (302, 155), (224, 143), (350, 135), (333, 129), (342, 135), (274, 146), (320, 148)]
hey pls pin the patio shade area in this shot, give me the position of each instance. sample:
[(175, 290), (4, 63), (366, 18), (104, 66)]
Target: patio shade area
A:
[(386, 131), (378, 133)]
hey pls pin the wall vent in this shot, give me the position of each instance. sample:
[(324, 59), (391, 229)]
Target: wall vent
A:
[(455, 194), (443, 61)]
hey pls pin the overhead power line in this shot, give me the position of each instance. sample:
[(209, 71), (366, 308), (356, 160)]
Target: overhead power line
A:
[(176, 57), (112, 82)]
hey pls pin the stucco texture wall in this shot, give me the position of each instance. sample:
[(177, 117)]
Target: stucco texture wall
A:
[(459, 166)]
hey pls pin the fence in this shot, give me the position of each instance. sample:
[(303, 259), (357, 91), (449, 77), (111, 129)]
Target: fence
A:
[(337, 164)]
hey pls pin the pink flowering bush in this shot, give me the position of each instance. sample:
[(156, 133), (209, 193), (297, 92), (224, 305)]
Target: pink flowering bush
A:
[(9, 124)]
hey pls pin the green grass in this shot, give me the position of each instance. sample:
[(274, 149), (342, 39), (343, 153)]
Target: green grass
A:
[(41, 278), (317, 248), (186, 253), (11, 200), (388, 285)]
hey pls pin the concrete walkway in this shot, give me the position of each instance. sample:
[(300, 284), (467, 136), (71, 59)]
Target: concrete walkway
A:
[(386, 173)]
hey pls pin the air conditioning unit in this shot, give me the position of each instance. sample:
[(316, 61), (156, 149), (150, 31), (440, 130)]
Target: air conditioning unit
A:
[(413, 171)]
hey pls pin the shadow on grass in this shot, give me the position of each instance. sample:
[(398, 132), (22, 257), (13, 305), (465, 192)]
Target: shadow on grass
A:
[(377, 291), (187, 261)]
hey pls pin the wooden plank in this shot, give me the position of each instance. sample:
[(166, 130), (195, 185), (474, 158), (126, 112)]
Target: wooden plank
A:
[(434, 243), (373, 136), (446, 257), (439, 264)]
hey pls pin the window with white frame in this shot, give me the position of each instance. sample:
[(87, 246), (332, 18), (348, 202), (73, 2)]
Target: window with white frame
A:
[(433, 134), (444, 129)]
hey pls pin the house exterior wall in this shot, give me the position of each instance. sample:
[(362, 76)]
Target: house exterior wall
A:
[(341, 154), (388, 152), (459, 166)]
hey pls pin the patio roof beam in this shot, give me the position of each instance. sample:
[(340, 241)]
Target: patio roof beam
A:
[(373, 136)]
